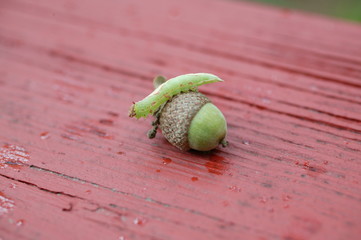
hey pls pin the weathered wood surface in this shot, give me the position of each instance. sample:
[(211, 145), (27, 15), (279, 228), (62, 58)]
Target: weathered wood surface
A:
[(74, 166)]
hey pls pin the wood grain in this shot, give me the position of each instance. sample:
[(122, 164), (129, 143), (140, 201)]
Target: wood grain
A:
[(73, 165)]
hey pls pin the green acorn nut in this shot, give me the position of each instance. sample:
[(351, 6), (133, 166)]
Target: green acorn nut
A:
[(187, 118)]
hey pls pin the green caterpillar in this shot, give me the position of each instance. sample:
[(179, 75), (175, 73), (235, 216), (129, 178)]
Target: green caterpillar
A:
[(170, 88)]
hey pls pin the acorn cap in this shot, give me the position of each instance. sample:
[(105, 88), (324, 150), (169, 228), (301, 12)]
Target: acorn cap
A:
[(176, 118)]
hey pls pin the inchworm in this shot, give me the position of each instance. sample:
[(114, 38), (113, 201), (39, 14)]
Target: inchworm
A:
[(170, 88)]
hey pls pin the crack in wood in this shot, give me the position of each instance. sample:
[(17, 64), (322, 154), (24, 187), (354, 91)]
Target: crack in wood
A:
[(41, 188), (69, 208), (223, 223), (124, 193)]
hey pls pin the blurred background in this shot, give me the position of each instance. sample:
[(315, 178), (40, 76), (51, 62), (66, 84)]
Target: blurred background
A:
[(345, 9)]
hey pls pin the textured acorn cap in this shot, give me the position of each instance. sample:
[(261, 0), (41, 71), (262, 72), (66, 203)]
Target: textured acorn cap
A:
[(177, 115)]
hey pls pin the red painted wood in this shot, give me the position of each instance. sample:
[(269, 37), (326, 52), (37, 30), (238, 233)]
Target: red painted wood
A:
[(74, 166)]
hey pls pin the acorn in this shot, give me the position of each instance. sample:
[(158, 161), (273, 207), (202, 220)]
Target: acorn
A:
[(187, 118)]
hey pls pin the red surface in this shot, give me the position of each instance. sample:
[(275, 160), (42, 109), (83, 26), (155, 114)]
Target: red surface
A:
[(74, 166)]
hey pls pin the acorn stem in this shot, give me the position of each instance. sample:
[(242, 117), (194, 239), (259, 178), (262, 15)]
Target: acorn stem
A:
[(158, 80), (224, 143), (152, 132)]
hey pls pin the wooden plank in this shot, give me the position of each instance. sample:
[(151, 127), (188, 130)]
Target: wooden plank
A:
[(73, 165)]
